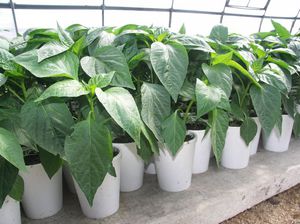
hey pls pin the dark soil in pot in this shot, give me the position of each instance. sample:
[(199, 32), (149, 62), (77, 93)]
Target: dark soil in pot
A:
[(189, 137), (196, 126), (123, 139), (32, 159)]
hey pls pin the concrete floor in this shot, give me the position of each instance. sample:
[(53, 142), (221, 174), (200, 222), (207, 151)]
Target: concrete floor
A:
[(214, 196)]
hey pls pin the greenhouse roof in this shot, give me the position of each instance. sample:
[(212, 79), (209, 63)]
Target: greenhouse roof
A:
[(199, 16)]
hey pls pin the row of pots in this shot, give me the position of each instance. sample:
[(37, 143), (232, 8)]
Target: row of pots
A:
[(43, 197)]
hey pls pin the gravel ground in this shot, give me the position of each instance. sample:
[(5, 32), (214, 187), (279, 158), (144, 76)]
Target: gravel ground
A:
[(280, 209)]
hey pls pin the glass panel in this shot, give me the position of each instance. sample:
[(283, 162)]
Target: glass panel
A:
[(48, 18), (238, 2), (237, 24), (59, 2), (203, 5), (120, 18), (287, 8), (258, 3), (140, 3), (194, 23), (267, 24), (296, 27), (7, 27), (245, 11)]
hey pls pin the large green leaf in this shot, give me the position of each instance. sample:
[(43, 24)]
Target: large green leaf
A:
[(64, 36), (47, 124), (170, 62), (267, 104), (208, 97), (248, 130), (121, 106), (101, 80), (107, 59), (219, 76), (193, 42), (51, 163), (4, 43), (220, 33), (62, 65), (174, 132), (11, 150), (274, 79), (219, 124), (65, 88), (281, 30), (8, 175), (156, 107), (17, 189), (89, 154), (3, 79), (6, 60), (50, 49)]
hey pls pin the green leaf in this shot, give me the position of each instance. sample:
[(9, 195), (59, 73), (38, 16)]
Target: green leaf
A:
[(6, 60), (170, 62), (281, 30), (182, 29), (296, 127), (121, 106), (17, 189), (272, 78), (50, 162), (65, 88), (222, 58), (64, 36), (248, 130), (11, 150), (174, 132), (219, 76), (219, 124), (4, 43), (101, 80), (89, 153), (50, 49), (62, 65), (8, 175), (3, 79), (219, 33), (208, 97), (107, 59), (267, 104), (148, 146), (156, 107), (193, 42), (47, 124), (283, 51)]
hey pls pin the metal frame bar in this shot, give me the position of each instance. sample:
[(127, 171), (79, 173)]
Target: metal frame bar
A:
[(171, 12), (264, 15), (294, 21), (102, 10), (14, 16)]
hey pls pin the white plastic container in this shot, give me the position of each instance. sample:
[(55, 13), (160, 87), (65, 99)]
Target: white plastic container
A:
[(69, 179), (254, 143), (175, 173), (277, 142), (202, 151), (298, 108), (43, 197), (236, 153), (150, 168), (10, 212), (106, 201), (132, 167)]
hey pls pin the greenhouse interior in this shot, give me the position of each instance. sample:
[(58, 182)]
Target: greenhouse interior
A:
[(149, 111)]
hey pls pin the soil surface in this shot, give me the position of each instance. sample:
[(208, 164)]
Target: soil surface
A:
[(283, 208)]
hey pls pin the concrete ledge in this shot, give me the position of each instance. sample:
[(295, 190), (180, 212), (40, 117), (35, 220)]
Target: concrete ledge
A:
[(213, 197)]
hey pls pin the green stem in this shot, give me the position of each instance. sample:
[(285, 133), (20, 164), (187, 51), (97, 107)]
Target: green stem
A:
[(15, 94), (24, 89), (245, 94), (91, 103), (186, 114)]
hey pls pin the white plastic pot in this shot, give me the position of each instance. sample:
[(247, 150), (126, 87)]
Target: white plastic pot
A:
[(150, 168), (298, 108), (253, 145), (202, 151), (69, 179), (277, 142), (132, 167), (43, 197), (174, 173), (236, 153), (107, 197), (10, 212)]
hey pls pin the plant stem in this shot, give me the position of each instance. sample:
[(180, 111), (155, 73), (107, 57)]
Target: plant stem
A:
[(91, 103), (245, 94), (24, 89), (186, 114), (15, 94)]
